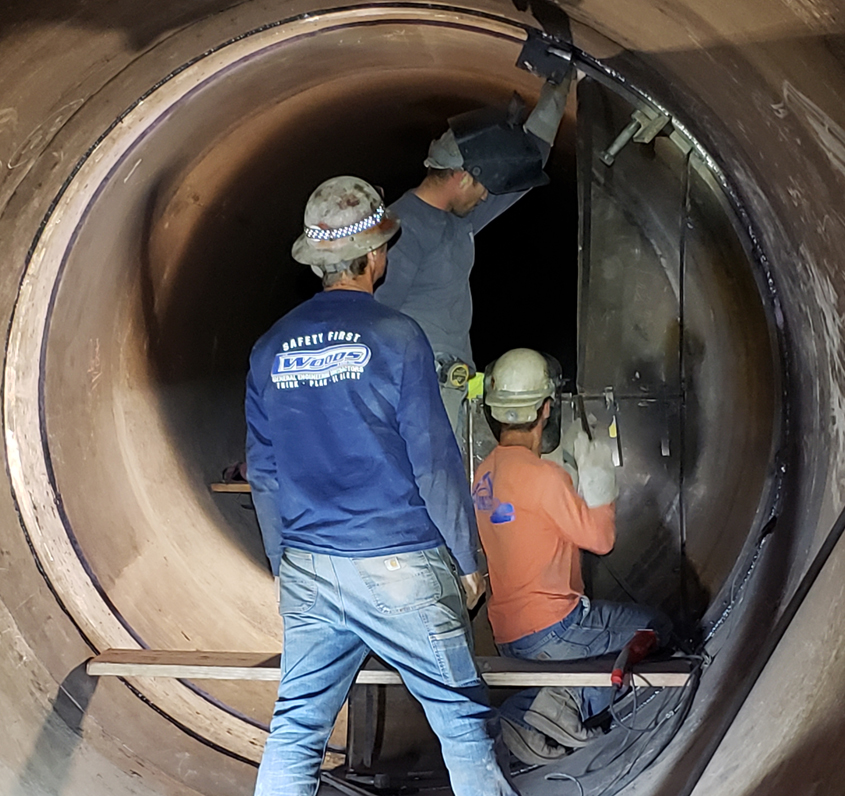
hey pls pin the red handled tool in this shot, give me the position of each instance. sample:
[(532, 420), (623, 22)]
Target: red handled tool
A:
[(643, 642)]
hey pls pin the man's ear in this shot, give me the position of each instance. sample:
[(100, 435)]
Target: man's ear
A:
[(547, 408)]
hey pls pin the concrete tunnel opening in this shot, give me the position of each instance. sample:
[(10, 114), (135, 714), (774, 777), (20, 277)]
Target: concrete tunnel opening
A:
[(180, 260)]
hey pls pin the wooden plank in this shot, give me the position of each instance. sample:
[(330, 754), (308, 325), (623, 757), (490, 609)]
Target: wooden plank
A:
[(186, 664), (237, 486), (507, 672), (514, 673)]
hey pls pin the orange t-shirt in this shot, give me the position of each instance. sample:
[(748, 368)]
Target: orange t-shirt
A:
[(533, 525)]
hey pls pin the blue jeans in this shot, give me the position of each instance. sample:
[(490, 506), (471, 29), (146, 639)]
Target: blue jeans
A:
[(591, 629), (408, 609)]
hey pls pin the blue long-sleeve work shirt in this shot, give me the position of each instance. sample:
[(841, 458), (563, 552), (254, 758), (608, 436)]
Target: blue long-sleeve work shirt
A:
[(349, 449)]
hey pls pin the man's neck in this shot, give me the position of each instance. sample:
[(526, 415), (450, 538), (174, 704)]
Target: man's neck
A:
[(358, 284), (435, 193), (531, 440)]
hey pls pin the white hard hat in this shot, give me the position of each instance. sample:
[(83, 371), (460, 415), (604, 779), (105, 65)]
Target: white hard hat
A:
[(518, 385), (345, 218)]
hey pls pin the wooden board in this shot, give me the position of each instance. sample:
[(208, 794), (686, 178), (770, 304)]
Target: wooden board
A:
[(237, 486), (508, 672), (186, 664)]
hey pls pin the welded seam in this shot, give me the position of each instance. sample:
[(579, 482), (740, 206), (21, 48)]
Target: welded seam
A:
[(682, 375), (762, 659)]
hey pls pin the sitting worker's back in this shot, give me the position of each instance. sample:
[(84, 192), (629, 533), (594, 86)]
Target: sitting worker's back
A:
[(532, 525)]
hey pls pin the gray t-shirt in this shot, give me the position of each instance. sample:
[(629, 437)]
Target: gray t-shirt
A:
[(428, 269)]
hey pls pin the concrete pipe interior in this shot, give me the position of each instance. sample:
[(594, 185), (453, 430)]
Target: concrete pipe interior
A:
[(181, 260), (166, 255)]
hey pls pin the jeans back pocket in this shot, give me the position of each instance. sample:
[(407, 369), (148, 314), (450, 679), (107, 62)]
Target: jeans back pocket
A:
[(400, 582), (297, 582)]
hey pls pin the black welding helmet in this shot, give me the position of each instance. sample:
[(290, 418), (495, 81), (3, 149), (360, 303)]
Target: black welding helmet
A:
[(552, 429), (497, 151)]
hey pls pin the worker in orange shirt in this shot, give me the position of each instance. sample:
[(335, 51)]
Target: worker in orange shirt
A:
[(533, 524)]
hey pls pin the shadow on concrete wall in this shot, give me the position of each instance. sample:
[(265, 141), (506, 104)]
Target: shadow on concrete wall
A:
[(51, 759)]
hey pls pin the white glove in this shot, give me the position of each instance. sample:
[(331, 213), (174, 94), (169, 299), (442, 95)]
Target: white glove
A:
[(545, 118), (473, 588), (567, 439), (596, 473)]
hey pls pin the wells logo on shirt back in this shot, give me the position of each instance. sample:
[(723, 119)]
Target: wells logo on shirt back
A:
[(320, 366)]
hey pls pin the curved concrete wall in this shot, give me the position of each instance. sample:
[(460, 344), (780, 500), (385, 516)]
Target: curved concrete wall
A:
[(129, 472)]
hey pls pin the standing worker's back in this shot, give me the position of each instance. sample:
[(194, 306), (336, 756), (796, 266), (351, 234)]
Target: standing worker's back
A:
[(339, 406), (360, 493)]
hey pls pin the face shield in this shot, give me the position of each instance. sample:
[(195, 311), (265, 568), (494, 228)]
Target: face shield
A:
[(497, 151)]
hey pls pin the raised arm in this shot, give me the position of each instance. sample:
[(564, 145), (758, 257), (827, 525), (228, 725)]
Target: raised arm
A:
[(591, 529), (434, 455), (548, 112)]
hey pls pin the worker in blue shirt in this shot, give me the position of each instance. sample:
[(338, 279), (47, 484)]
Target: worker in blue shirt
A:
[(363, 506)]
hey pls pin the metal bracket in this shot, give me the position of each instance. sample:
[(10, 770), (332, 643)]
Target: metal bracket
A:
[(643, 128), (552, 18), (546, 56)]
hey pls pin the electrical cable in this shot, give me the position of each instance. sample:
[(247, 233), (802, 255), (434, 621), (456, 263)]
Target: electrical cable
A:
[(635, 747), (683, 701), (554, 776), (633, 715)]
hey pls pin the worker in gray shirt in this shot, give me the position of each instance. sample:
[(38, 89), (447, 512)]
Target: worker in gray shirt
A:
[(477, 169)]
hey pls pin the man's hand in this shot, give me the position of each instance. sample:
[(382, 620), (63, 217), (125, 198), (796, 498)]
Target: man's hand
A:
[(596, 473), (474, 586)]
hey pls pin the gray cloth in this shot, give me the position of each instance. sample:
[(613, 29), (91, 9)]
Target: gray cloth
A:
[(544, 120), (556, 712), (453, 400), (530, 746), (444, 153), (429, 265)]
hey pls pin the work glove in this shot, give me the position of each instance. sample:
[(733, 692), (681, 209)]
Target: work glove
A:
[(545, 118), (474, 585), (596, 473), (567, 450)]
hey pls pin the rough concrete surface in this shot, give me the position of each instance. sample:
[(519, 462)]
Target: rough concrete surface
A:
[(134, 275)]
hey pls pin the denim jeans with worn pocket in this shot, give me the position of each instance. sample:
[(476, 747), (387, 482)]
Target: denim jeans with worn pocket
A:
[(591, 629), (408, 608)]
